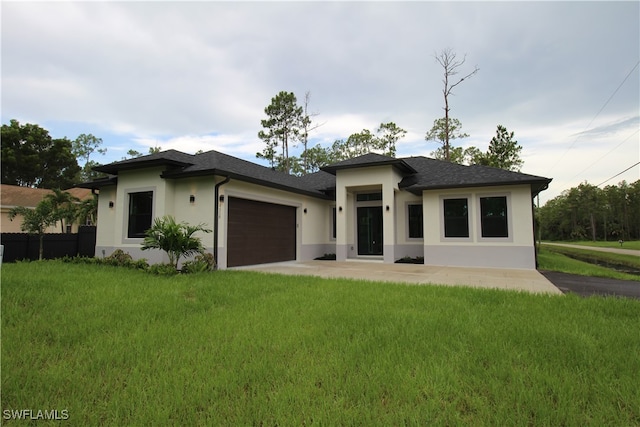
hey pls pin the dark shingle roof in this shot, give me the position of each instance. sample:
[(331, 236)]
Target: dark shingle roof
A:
[(421, 173), (172, 158), (367, 160), (214, 162), (436, 174)]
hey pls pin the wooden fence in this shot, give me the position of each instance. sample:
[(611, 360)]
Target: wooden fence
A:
[(22, 246)]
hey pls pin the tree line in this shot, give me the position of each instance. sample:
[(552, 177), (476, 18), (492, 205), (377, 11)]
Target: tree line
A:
[(587, 212), (32, 158), (288, 125)]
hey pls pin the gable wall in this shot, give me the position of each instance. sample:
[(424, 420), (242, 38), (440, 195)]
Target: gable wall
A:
[(516, 251), (314, 227), (171, 197)]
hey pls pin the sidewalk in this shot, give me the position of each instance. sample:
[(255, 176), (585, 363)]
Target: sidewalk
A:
[(597, 249), (513, 279)]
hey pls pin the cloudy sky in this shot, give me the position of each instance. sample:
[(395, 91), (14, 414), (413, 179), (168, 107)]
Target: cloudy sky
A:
[(564, 76)]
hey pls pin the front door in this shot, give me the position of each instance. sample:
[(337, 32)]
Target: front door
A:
[(370, 230)]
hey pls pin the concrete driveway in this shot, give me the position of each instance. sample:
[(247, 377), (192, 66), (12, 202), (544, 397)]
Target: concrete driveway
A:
[(514, 279)]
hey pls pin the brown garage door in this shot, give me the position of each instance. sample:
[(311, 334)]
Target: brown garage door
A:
[(259, 232)]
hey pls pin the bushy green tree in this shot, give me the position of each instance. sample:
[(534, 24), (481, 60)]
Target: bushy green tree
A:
[(83, 147), (31, 158), (443, 131), (35, 221), (282, 128), (503, 152), (364, 142), (176, 239)]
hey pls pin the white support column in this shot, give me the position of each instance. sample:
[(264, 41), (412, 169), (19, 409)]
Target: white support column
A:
[(388, 223), (341, 223)]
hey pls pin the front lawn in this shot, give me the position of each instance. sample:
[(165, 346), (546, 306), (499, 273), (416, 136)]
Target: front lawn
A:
[(123, 347), (632, 244)]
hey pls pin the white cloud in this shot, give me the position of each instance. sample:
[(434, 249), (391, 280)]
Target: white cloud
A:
[(198, 75)]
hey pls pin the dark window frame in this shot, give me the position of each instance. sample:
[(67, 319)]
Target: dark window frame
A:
[(494, 217), (334, 220), (369, 197), (455, 212), (140, 213), (415, 221)]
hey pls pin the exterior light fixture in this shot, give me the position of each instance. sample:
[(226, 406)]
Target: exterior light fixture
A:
[(192, 199), (221, 198), (305, 210), (387, 208), (111, 204), (340, 208)]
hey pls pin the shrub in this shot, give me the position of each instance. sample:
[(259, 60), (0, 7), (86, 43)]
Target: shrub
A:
[(163, 269), (200, 264), (119, 258), (327, 257)]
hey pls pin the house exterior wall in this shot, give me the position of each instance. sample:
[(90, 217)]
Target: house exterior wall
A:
[(314, 228), (349, 182), (8, 226), (406, 246), (313, 234), (113, 222), (515, 251), (171, 197)]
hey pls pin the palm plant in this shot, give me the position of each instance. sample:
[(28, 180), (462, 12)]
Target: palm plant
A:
[(64, 206), (36, 221), (176, 239)]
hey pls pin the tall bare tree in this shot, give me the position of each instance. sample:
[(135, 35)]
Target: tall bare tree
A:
[(307, 127), (451, 64)]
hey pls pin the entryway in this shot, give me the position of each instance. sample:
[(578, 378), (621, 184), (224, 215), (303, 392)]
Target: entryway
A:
[(370, 232)]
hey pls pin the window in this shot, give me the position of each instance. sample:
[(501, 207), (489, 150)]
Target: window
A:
[(140, 213), (493, 216), (415, 222), (456, 218), (368, 197), (333, 223)]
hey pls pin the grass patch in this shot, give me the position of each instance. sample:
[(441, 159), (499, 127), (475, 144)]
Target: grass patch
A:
[(634, 244), (122, 347), (631, 261), (552, 260)]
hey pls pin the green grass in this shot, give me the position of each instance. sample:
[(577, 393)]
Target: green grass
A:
[(635, 244), (122, 347), (553, 260)]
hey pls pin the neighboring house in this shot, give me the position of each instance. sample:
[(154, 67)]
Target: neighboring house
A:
[(13, 195), (370, 207)]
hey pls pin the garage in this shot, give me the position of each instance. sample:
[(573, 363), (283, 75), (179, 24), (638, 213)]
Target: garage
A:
[(259, 232)]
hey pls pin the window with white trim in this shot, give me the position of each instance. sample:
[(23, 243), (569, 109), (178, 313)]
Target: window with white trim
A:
[(456, 217), (493, 217), (415, 223), (140, 213)]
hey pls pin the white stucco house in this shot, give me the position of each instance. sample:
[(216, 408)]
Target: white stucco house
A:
[(371, 207)]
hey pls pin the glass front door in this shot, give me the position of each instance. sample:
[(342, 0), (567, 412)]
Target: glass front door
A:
[(370, 230)]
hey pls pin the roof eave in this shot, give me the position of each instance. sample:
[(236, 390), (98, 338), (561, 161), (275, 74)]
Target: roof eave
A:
[(243, 178), (99, 183), (114, 168), (397, 163), (537, 186)]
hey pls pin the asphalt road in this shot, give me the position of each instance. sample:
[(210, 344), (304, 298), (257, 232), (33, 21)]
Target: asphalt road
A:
[(588, 286)]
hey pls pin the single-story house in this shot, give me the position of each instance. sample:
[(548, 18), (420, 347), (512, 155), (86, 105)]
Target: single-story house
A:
[(369, 207), (12, 196)]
